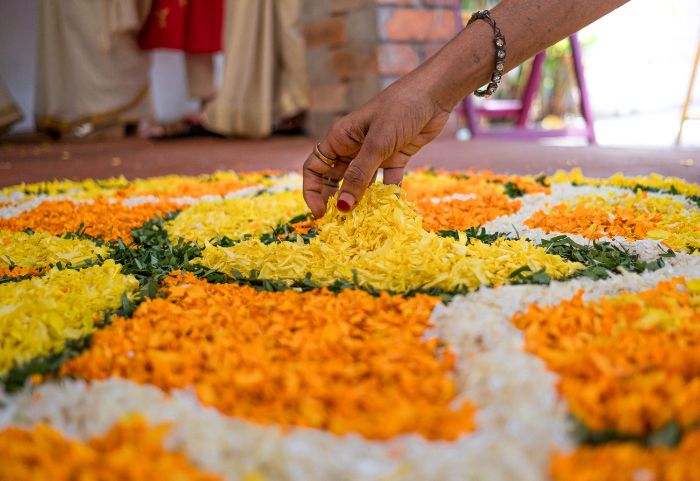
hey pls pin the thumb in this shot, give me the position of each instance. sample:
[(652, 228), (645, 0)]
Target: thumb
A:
[(376, 147)]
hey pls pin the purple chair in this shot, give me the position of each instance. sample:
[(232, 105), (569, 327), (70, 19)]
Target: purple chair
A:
[(519, 109)]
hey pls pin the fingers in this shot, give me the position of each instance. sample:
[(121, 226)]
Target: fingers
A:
[(394, 167), (313, 193), (341, 144), (330, 187), (375, 149), (344, 139), (374, 177), (393, 175), (320, 181)]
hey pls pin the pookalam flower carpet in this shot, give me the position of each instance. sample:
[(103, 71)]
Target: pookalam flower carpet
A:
[(463, 326)]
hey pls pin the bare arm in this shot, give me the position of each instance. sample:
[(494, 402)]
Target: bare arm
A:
[(394, 125)]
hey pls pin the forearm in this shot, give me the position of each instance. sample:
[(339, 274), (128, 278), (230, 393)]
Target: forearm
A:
[(529, 26)]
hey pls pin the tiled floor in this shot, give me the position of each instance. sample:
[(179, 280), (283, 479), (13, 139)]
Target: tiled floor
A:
[(26, 159)]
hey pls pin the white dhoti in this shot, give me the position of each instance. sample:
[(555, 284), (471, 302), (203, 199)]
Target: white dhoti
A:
[(264, 70), (91, 72)]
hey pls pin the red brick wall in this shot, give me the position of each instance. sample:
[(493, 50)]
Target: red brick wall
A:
[(355, 48)]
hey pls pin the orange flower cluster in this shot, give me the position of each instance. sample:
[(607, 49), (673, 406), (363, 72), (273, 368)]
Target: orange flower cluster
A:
[(195, 187), (305, 226), (463, 214), (631, 462), (594, 221), (629, 363), (423, 184), (130, 450), (18, 272), (113, 220), (346, 363)]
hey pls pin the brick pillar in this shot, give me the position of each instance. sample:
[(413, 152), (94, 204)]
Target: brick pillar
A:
[(355, 48)]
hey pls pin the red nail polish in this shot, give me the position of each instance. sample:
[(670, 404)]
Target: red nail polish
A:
[(343, 206)]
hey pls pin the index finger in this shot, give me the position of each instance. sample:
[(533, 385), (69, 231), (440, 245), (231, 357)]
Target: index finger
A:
[(376, 148)]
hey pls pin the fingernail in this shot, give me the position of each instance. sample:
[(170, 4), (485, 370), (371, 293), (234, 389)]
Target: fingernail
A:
[(345, 202)]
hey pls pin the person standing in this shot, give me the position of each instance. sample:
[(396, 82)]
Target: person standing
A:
[(264, 89), (265, 81), (91, 72), (193, 27)]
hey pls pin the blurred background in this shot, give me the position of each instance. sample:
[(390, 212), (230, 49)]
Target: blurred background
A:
[(637, 65), (637, 60)]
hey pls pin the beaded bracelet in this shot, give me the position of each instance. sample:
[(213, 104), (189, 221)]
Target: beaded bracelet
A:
[(500, 42)]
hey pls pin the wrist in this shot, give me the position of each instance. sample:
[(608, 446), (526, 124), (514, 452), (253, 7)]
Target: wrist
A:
[(461, 66)]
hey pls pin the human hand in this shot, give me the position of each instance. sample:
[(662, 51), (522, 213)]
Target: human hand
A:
[(384, 133)]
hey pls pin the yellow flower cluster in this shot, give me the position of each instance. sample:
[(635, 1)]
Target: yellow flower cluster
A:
[(382, 244), (42, 250), (653, 181), (634, 216), (38, 315), (235, 218)]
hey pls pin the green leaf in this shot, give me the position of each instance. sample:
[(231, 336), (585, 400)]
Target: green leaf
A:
[(668, 436), (512, 190)]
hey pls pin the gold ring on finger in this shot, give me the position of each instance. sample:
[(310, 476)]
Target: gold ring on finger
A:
[(330, 162)]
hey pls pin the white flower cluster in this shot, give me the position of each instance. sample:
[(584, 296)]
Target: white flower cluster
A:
[(17, 203), (514, 224)]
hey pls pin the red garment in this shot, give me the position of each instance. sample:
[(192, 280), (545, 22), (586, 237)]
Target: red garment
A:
[(193, 26)]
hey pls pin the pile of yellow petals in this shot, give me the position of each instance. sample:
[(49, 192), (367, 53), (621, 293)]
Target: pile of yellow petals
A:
[(631, 462), (463, 214), (653, 181), (381, 244), (422, 184), (38, 315), (629, 363), (99, 217), (347, 362), (235, 218), (633, 216), (131, 450), (219, 183), (41, 250)]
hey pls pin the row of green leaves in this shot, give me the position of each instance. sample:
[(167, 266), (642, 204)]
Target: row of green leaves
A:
[(152, 256)]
